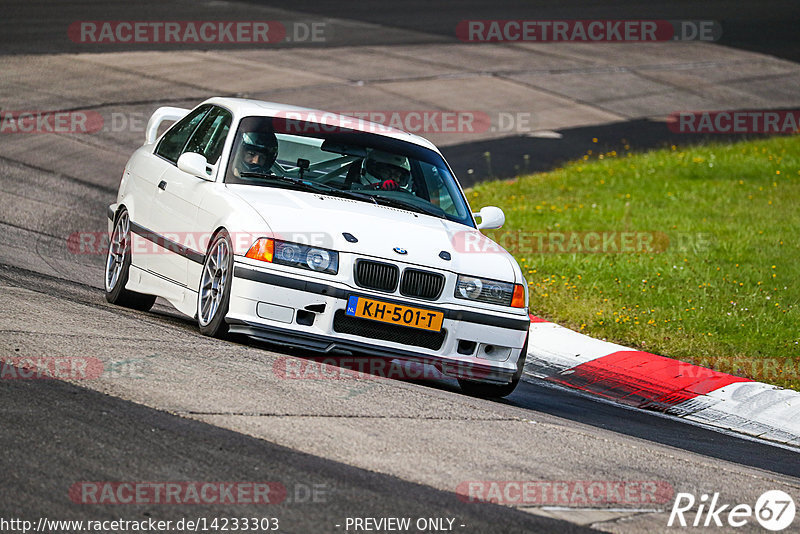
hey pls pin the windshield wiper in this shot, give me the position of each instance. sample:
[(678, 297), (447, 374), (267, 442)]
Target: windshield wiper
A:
[(378, 199), (287, 179), (345, 193), (397, 203), (312, 186)]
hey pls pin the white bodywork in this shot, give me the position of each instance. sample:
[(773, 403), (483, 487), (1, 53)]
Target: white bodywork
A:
[(266, 297)]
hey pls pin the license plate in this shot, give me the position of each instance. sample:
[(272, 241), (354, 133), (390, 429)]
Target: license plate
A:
[(394, 313)]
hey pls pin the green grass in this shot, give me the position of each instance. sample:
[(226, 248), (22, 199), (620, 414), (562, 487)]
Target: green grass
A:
[(722, 292)]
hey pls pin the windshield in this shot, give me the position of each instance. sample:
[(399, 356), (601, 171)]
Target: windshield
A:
[(363, 166)]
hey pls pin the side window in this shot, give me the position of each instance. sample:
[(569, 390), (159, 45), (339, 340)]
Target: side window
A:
[(171, 145), (441, 191), (209, 138)]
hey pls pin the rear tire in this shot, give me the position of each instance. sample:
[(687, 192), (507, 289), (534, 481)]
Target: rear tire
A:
[(494, 391), (214, 293), (118, 264)]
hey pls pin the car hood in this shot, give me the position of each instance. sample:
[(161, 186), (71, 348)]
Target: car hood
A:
[(323, 220)]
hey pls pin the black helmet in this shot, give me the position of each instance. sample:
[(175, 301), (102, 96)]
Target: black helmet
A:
[(257, 152)]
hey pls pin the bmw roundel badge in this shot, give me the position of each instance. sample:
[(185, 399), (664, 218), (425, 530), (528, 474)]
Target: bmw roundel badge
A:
[(400, 250)]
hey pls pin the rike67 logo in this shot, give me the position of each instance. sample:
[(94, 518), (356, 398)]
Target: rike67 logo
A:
[(774, 510)]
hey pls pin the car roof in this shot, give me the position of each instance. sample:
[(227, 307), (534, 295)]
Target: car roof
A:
[(244, 107)]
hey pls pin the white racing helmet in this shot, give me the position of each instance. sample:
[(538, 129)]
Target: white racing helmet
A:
[(386, 166)]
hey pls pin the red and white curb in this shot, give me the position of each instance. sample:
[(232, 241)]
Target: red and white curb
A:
[(635, 378)]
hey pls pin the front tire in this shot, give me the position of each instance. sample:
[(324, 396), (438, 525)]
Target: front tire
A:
[(214, 294), (490, 391), (118, 264)]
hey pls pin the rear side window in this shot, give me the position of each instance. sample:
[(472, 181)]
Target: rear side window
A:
[(171, 145), (209, 138)]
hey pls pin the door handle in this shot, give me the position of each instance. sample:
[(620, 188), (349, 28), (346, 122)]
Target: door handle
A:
[(162, 185)]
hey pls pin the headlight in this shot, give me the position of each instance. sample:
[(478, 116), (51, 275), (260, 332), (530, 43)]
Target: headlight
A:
[(295, 255), (490, 291)]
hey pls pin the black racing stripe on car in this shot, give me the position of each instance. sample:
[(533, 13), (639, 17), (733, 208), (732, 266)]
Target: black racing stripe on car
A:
[(325, 289), (489, 320), (290, 283), (165, 278), (168, 244)]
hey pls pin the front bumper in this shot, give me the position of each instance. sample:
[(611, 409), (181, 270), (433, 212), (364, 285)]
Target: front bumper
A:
[(302, 312)]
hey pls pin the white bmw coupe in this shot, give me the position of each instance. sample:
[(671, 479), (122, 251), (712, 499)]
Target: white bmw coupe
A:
[(321, 231)]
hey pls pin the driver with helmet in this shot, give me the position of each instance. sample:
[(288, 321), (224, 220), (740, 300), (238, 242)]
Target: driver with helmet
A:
[(257, 152), (391, 171)]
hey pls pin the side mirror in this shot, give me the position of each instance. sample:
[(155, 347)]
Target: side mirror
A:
[(492, 218), (194, 164)]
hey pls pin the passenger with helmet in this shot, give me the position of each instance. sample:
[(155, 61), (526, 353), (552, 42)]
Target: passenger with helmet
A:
[(391, 171), (257, 153)]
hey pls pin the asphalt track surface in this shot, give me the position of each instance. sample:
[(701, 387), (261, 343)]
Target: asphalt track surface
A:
[(56, 432), (205, 410), (768, 26)]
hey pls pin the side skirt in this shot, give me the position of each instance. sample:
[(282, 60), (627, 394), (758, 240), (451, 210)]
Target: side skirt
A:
[(181, 297)]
